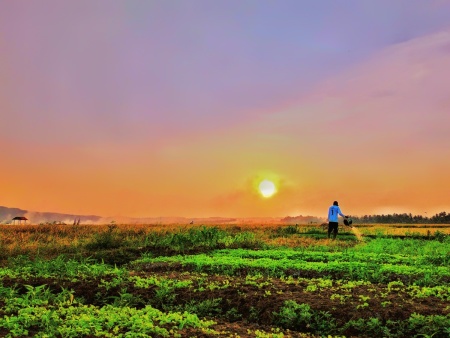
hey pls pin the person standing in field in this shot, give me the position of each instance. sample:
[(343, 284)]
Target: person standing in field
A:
[(333, 213)]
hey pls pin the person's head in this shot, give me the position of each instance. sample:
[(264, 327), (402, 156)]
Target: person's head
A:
[(335, 203)]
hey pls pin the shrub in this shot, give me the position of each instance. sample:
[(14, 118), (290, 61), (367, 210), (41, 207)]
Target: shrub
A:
[(301, 317)]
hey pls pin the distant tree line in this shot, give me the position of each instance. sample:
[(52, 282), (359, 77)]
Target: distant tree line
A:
[(441, 217)]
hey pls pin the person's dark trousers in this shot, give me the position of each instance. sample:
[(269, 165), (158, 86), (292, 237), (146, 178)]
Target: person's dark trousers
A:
[(332, 228)]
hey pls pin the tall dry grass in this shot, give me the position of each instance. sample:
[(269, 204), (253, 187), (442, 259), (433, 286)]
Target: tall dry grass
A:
[(52, 240)]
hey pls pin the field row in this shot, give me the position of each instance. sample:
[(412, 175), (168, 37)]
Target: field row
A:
[(172, 302), (45, 292)]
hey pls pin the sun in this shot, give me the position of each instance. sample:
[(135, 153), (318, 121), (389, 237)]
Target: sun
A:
[(267, 188)]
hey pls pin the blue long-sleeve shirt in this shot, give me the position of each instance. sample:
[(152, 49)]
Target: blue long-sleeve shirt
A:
[(333, 213)]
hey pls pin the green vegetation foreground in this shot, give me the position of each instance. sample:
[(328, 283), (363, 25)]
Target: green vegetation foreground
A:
[(230, 281)]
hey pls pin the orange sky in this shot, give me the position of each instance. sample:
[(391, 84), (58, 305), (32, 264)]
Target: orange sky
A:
[(373, 136)]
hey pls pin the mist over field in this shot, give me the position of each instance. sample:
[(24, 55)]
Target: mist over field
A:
[(35, 217)]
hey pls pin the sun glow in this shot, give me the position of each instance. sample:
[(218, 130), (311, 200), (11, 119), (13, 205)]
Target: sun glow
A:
[(267, 188)]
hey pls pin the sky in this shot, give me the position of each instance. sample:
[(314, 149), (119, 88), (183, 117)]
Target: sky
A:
[(181, 108)]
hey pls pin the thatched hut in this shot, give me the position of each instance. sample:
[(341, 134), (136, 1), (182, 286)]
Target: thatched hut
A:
[(19, 219)]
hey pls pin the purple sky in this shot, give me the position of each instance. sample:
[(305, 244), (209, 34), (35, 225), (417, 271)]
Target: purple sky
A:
[(162, 66)]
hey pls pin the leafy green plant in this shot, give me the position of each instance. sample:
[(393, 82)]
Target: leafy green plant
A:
[(165, 295), (342, 298), (125, 299), (372, 327), (253, 315), (207, 307), (233, 315), (105, 322), (429, 325), (301, 317)]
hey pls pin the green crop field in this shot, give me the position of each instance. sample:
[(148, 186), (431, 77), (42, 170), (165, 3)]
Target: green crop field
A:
[(224, 281)]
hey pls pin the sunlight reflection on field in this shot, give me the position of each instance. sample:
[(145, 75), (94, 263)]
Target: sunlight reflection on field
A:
[(403, 229)]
